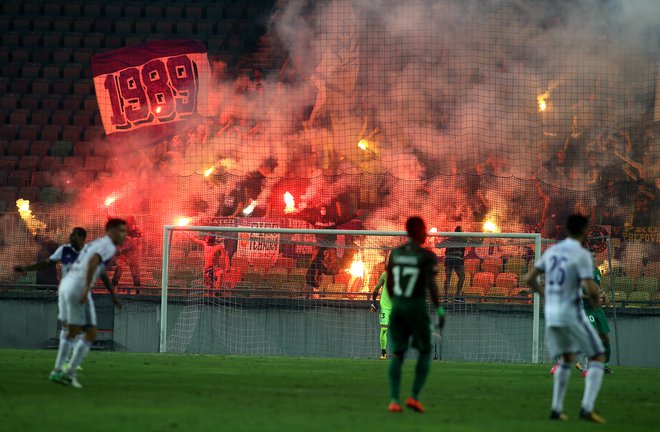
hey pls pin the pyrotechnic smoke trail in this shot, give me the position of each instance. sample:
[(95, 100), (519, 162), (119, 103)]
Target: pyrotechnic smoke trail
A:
[(33, 224)]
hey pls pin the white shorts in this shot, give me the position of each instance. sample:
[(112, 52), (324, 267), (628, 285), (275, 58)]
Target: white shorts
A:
[(71, 311), (580, 337)]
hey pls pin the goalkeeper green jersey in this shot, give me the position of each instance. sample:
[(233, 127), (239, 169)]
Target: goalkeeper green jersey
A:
[(597, 276), (587, 306), (411, 269), (385, 300)]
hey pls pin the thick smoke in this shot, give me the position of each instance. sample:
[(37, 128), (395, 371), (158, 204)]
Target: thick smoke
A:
[(431, 89)]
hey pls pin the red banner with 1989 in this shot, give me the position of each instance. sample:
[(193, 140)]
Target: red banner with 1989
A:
[(155, 83)]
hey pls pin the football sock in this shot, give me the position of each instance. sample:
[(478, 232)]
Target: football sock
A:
[(608, 353), (421, 372), (383, 338), (592, 385), (64, 350), (396, 364), (560, 384), (79, 353)]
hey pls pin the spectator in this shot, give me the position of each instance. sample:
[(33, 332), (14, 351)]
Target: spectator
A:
[(216, 261), (454, 263), (129, 254), (324, 260), (46, 275)]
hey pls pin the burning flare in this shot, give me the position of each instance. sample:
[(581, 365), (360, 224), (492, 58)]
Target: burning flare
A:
[(357, 268), (182, 221), (33, 224), (433, 230), (290, 203), (490, 226), (363, 144), (110, 200), (542, 101), (209, 171), (249, 209)]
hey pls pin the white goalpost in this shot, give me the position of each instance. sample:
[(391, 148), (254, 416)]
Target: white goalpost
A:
[(259, 290)]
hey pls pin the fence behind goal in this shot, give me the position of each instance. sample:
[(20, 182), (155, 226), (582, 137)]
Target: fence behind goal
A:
[(297, 292)]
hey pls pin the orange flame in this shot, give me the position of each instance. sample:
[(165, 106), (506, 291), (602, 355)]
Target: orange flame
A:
[(490, 226), (357, 268), (182, 221), (209, 171), (32, 223), (249, 209), (110, 200), (290, 203), (159, 109), (363, 144), (434, 230), (542, 101)]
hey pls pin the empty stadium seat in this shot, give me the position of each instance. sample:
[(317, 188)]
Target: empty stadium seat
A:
[(72, 133), (63, 25), (31, 39), (20, 56), (483, 279), (29, 193), (82, 25), (40, 179), (29, 132), (82, 119), (73, 163), (153, 11), (19, 117), (205, 27), (112, 10), (8, 194), (3, 178), (9, 101), (19, 85), (30, 102), (92, 41), (498, 292), (11, 40), (61, 117), (472, 265), (492, 264), (61, 149), (18, 179), (28, 163), (93, 133), (82, 149), (18, 148), (50, 163), (506, 280), (52, 39), (50, 195), (4, 82), (8, 163), (41, 86), (40, 148), (134, 9), (95, 163), (53, 8), (21, 24), (40, 117), (42, 23), (82, 87), (7, 132), (51, 132), (194, 12)]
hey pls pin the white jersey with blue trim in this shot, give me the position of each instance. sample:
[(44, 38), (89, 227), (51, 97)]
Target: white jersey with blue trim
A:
[(565, 264), (66, 255), (103, 247)]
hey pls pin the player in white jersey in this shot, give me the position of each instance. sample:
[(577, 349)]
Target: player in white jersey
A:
[(77, 305), (66, 255), (568, 269)]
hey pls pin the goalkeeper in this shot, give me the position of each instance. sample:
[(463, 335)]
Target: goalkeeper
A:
[(598, 319), (384, 309)]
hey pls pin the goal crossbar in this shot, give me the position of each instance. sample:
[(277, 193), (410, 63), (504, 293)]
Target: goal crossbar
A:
[(167, 236)]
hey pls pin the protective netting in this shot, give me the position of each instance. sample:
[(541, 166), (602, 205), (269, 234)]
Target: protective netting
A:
[(307, 294), (465, 112)]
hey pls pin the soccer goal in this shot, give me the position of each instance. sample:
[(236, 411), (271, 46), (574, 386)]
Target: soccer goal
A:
[(261, 290)]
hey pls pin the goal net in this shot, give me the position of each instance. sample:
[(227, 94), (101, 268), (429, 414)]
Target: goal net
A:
[(259, 290)]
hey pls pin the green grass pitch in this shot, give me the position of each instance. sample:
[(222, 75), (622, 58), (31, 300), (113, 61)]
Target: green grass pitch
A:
[(149, 392)]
